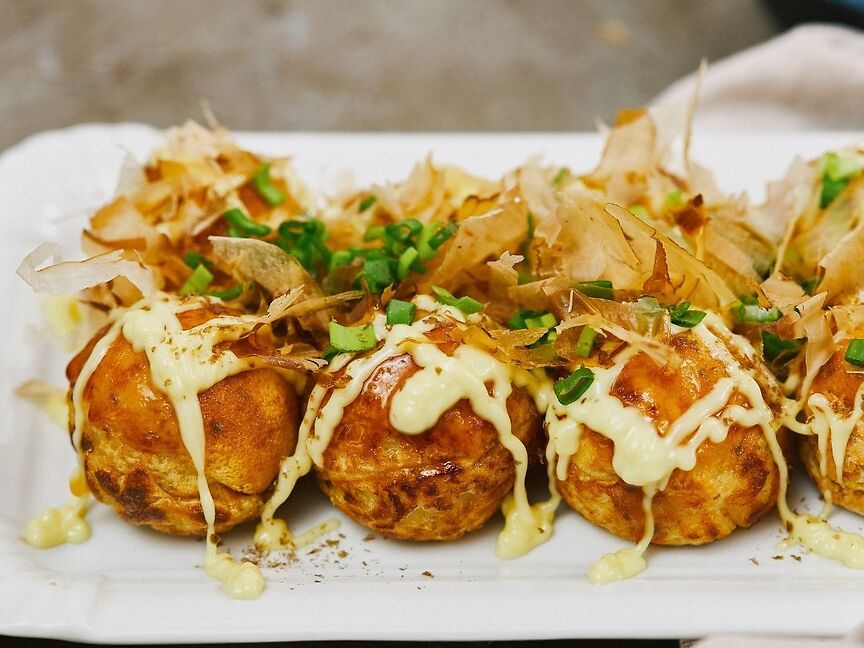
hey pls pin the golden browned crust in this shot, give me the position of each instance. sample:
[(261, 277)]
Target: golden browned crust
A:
[(135, 459), (734, 483), (437, 485), (839, 387)]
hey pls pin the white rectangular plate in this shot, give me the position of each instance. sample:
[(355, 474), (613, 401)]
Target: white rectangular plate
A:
[(133, 585)]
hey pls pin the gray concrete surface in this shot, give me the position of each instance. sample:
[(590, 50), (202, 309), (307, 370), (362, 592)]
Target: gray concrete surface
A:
[(344, 65)]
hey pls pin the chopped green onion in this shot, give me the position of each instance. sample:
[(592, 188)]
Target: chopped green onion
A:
[(366, 203), (639, 211), (466, 304), (836, 174), (200, 278), (775, 348), (406, 260), (570, 389), (518, 319), (243, 225), (748, 310), (304, 239), (585, 343), (271, 194), (689, 319), (836, 168), (400, 312), (426, 251), (855, 352), (544, 320), (375, 233), (340, 258), (330, 352), (377, 273), (809, 285), (194, 259), (440, 237), (563, 172), (601, 289), (675, 198), (351, 339), (681, 315), (432, 236), (229, 293), (830, 190), (404, 230)]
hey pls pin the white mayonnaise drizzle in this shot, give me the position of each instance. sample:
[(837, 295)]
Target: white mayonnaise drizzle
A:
[(182, 364), (68, 524), (830, 427), (443, 380), (63, 524), (814, 532), (811, 532), (642, 456)]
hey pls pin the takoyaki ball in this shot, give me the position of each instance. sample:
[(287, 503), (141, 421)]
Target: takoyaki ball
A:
[(734, 482), (437, 485), (134, 457), (838, 386)]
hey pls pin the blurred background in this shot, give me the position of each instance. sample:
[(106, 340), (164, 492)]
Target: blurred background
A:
[(358, 65)]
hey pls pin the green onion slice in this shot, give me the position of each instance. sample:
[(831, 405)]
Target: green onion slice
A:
[(681, 315), (366, 203), (271, 194), (748, 310), (562, 174), (193, 259), (543, 320), (855, 352), (639, 211), (400, 312), (340, 258), (465, 304), (432, 236), (242, 225), (836, 174), (440, 237), (570, 389), (377, 273), (775, 348), (197, 282), (517, 320), (600, 289), (330, 352), (585, 343), (229, 293), (351, 339), (406, 260)]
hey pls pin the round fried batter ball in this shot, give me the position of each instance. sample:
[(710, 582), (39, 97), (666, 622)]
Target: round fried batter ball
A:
[(734, 483), (134, 456), (437, 485), (839, 387)]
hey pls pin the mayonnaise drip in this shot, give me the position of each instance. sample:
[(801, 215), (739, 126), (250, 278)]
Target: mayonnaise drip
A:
[(182, 364), (642, 456), (811, 532), (814, 533), (68, 524), (628, 562), (63, 524), (831, 428), (442, 381)]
